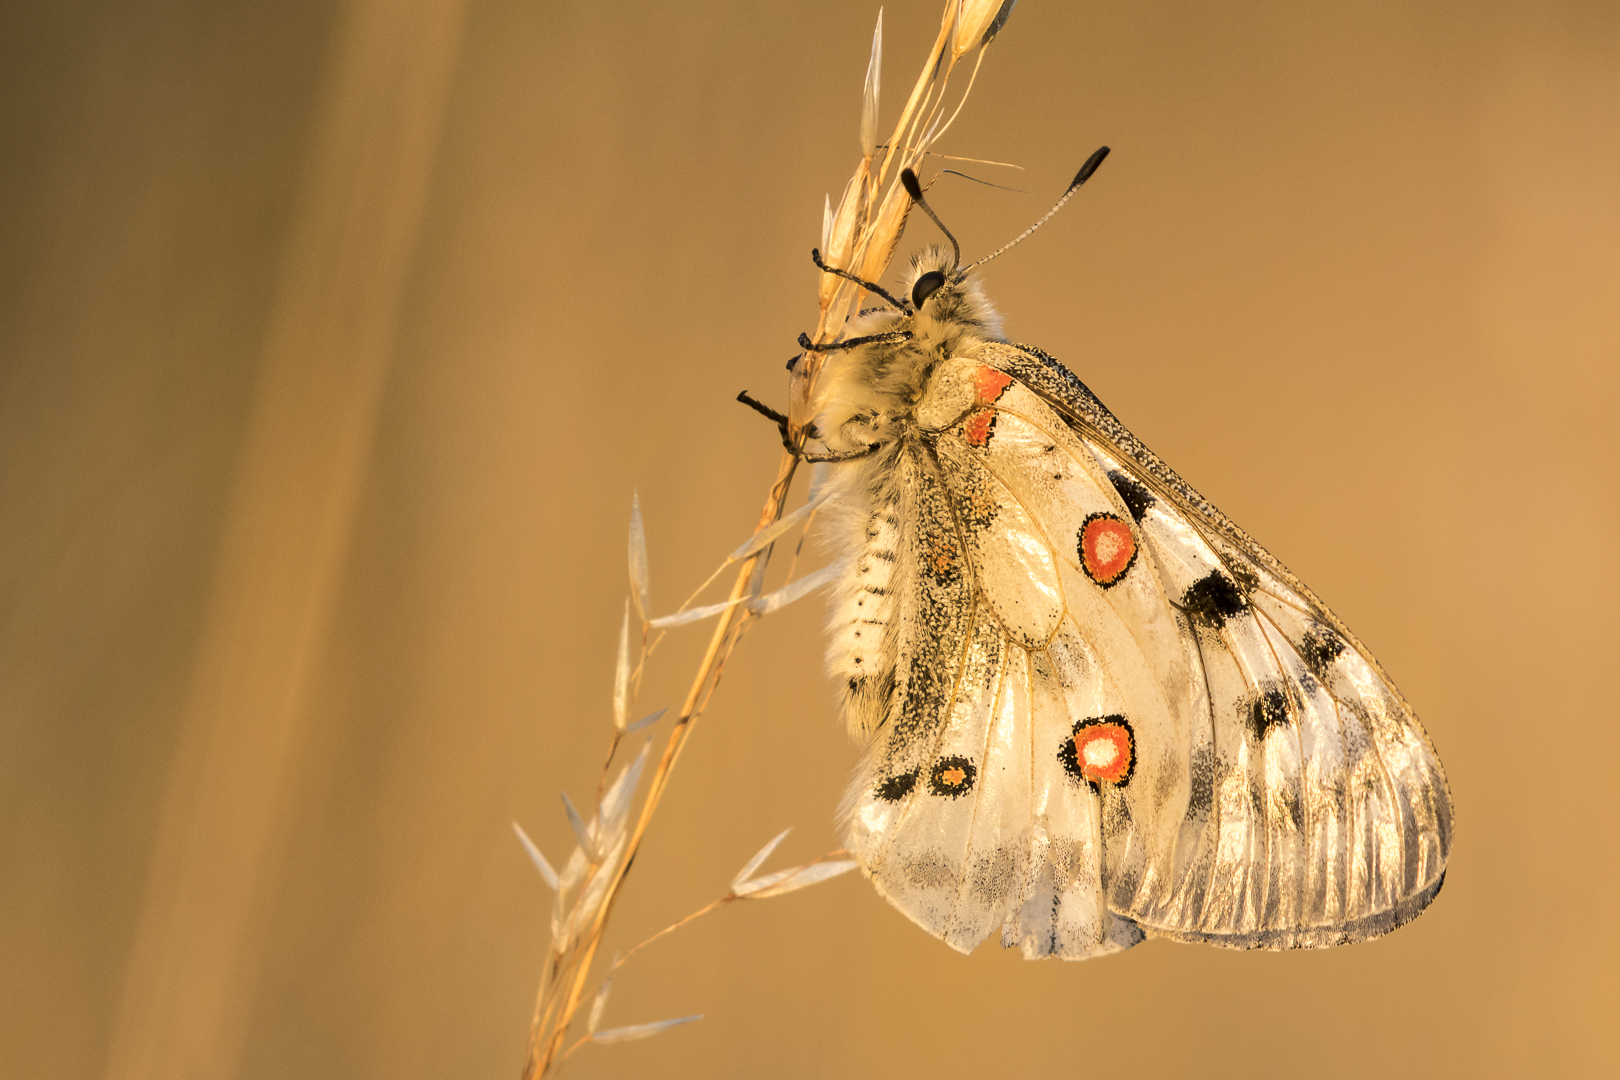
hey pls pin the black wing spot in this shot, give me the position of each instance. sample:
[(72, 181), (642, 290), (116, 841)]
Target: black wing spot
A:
[(896, 787), (1295, 804), (952, 776), (1269, 710), (1319, 648), (1213, 599), (1201, 791), (1137, 499)]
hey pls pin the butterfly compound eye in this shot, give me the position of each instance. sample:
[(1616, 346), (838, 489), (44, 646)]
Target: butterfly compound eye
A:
[(926, 286)]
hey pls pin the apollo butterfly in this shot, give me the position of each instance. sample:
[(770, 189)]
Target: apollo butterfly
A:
[(1094, 709)]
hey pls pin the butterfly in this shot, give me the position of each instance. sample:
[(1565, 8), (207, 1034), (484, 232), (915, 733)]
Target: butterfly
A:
[(1094, 709)]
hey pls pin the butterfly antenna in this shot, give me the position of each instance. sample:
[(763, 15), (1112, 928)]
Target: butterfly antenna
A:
[(815, 255), (1081, 177), (908, 180)]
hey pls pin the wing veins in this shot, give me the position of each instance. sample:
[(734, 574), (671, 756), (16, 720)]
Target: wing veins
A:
[(1287, 603), (978, 789), (1214, 777), (1035, 519), (1095, 797), (916, 792), (1197, 510), (1391, 790), (1046, 540), (1299, 747), (1104, 427), (1260, 613), (1250, 678), (1107, 491), (926, 461), (1299, 757)]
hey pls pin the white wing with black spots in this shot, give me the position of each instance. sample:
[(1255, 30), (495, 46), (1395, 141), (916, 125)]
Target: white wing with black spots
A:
[(1095, 709)]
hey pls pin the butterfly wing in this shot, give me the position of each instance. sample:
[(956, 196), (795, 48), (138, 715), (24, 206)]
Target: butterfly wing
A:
[(1122, 715)]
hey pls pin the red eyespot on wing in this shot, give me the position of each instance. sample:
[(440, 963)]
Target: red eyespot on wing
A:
[(979, 425), (1104, 752), (990, 383), (1101, 750), (1107, 548)]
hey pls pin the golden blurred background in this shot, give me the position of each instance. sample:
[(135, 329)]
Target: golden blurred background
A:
[(336, 336)]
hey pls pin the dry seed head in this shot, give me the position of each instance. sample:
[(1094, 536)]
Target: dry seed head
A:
[(978, 21), (800, 877), (886, 230), (691, 615), (640, 1031), (848, 225), (547, 874), (572, 871), (869, 98), (616, 803), (639, 593), (646, 721), (770, 533), (759, 857), (794, 590), (598, 1006), (582, 832), (621, 674), (596, 891)]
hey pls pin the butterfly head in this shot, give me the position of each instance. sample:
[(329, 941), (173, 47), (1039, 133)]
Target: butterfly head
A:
[(949, 311)]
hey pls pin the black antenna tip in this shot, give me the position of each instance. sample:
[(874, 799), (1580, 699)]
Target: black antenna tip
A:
[(1089, 167), (908, 180)]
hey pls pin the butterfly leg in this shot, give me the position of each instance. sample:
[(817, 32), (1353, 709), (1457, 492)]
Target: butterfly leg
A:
[(782, 426)]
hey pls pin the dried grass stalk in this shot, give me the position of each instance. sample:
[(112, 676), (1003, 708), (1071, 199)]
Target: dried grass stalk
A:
[(859, 236)]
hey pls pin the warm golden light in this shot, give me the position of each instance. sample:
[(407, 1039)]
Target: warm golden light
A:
[(336, 338)]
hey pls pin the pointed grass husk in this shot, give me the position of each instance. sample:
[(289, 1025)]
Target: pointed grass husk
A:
[(646, 721), (547, 874), (759, 857), (792, 880), (598, 1006), (641, 1031), (582, 832), (621, 674), (640, 593)]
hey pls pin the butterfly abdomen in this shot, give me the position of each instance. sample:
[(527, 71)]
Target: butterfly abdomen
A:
[(861, 652)]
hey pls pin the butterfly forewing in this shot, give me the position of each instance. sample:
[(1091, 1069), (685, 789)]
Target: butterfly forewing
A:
[(1097, 708)]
